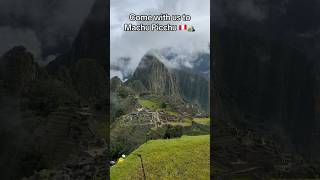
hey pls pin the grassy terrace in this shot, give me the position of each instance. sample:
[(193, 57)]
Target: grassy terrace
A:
[(154, 104), (205, 121), (151, 104), (184, 158), (172, 113), (184, 122)]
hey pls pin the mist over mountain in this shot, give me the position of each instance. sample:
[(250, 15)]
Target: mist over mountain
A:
[(121, 68), (44, 27), (135, 45), (93, 31), (54, 111), (157, 77), (197, 62)]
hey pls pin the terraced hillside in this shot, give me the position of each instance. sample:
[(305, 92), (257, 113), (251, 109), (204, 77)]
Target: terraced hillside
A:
[(161, 118), (252, 152), (151, 120)]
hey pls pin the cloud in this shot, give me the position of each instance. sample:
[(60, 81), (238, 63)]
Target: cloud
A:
[(54, 23), (225, 12), (11, 37), (250, 9), (117, 73), (178, 58), (233, 12), (136, 44)]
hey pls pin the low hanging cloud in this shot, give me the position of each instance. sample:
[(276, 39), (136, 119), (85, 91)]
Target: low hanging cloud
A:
[(49, 26), (255, 10), (252, 10), (135, 44)]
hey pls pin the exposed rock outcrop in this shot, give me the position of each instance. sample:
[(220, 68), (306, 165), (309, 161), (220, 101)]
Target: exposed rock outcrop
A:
[(157, 78)]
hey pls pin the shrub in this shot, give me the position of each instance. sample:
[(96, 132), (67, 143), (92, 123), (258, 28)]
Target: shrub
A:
[(173, 132), (163, 105)]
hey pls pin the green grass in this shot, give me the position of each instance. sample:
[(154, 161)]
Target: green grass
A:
[(205, 121), (155, 103), (151, 104), (180, 123), (184, 158), (184, 122), (172, 113)]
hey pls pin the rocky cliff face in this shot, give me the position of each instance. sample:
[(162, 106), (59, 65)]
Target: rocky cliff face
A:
[(85, 64), (92, 38), (195, 63), (90, 41), (180, 84), (155, 76), (193, 88)]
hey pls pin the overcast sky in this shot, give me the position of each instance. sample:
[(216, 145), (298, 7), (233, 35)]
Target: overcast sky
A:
[(136, 44), (45, 27)]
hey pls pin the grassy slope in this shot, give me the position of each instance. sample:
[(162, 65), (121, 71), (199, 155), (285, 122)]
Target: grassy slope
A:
[(205, 121), (154, 104), (184, 158), (184, 122), (151, 104)]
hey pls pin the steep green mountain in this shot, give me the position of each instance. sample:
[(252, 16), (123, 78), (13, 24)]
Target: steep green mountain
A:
[(137, 86), (90, 41), (115, 83), (55, 116), (157, 102), (85, 63), (157, 78), (196, 63), (193, 88)]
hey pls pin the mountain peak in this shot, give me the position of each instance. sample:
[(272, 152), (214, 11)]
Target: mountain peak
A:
[(150, 59), (18, 51), (115, 83), (90, 41), (155, 76), (17, 68), (155, 53)]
